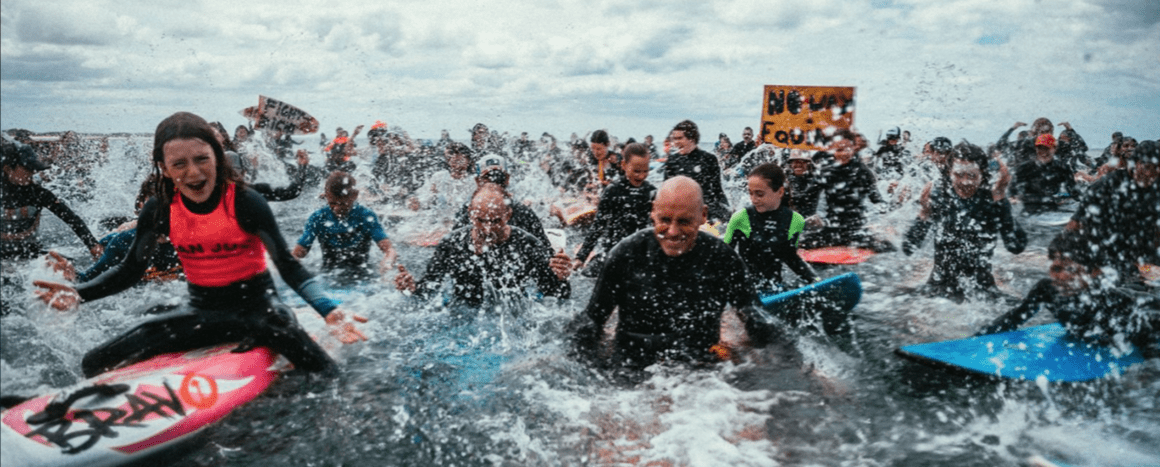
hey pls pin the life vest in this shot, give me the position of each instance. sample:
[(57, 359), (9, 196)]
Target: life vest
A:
[(213, 249)]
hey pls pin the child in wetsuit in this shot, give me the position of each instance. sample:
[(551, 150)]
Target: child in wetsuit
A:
[(970, 219), (623, 209), (845, 185), (345, 230), (766, 234)]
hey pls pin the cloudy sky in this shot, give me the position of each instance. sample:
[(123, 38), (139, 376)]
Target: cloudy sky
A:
[(960, 68)]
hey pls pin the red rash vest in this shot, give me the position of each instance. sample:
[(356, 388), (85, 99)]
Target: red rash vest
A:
[(213, 248)]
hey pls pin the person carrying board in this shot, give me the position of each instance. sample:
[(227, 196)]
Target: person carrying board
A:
[(221, 231)]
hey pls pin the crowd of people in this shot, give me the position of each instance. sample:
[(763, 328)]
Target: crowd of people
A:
[(202, 216)]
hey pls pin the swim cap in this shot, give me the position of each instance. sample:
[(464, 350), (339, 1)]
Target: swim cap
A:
[(1045, 140)]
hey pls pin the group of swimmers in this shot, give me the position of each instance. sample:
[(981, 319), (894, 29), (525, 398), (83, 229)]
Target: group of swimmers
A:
[(668, 280)]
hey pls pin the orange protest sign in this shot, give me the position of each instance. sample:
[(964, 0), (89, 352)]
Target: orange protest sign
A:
[(804, 117)]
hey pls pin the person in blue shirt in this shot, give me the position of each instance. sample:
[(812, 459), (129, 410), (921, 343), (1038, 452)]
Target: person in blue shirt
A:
[(345, 230)]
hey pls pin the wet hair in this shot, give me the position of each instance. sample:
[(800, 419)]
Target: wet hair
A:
[(845, 134), (774, 176), (340, 185), (1071, 245), (600, 137), (1147, 152), (965, 151), (185, 125), (227, 142), (689, 129), (1043, 122), (459, 148), (634, 150)]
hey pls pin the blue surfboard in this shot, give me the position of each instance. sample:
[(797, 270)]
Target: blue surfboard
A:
[(1042, 351), (825, 304)]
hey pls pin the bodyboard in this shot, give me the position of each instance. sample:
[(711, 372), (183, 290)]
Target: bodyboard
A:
[(825, 304), (558, 239), (836, 255), (574, 212), (133, 412), (1046, 351)]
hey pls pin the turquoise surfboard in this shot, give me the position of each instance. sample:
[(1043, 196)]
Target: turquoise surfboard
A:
[(825, 304)]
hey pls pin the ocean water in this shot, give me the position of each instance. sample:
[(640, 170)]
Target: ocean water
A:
[(432, 388)]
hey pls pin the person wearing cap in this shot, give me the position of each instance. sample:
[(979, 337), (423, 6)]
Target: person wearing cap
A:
[(803, 183), (970, 222), (340, 151), (493, 170), (1045, 182), (490, 260), (693, 162), (1120, 213), (22, 203), (623, 208), (1080, 296), (892, 156)]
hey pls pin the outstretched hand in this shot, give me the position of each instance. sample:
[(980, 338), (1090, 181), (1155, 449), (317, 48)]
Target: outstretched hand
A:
[(404, 280), (60, 296), (62, 265), (561, 264), (345, 330)]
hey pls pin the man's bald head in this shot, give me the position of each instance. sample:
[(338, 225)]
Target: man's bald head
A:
[(489, 214), (677, 214)]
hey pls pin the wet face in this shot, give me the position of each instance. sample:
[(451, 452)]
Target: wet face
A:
[(190, 164), (966, 178), (747, 135), (1068, 277), (763, 197), (18, 175), (799, 166), (684, 145), (1044, 153), (340, 205), (843, 150), (1126, 148), (599, 151), (635, 170), (458, 163), (489, 218), (676, 219)]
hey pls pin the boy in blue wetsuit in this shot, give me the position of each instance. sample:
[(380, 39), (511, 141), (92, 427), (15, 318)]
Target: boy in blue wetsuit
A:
[(766, 234), (345, 229)]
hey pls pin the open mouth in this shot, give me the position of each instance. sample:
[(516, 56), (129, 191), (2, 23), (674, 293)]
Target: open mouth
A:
[(196, 186)]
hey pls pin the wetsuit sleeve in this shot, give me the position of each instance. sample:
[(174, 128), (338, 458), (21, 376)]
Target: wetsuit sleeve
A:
[(255, 216), (916, 234), (462, 218), (115, 250), (310, 230), (790, 257), (588, 327), (719, 204), (871, 183), (758, 324), (128, 272), (1042, 293), (738, 223), (1014, 237), (440, 266), (66, 214), (1003, 140)]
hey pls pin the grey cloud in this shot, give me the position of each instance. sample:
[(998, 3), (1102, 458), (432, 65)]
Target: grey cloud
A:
[(53, 67), (38, 25), (1132, 13)]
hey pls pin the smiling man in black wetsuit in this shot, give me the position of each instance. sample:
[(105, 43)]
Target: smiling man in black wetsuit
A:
[(670, 286)]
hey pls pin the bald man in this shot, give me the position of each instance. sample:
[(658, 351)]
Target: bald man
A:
[(670, 285), (490, 252)]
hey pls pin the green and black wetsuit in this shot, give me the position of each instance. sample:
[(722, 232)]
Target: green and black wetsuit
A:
[(766, 241)]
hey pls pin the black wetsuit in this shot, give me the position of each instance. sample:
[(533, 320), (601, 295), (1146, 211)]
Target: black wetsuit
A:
[(702, 167), (611, 168), (1095, 315), (669, 307), (845, 187), (623, 209), (522, 216), (245, 311), (766, 241), (1123, 219), (503, 268), (21, 217), (1038, 185), (891, 160), (804, 191), (965, 242)]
